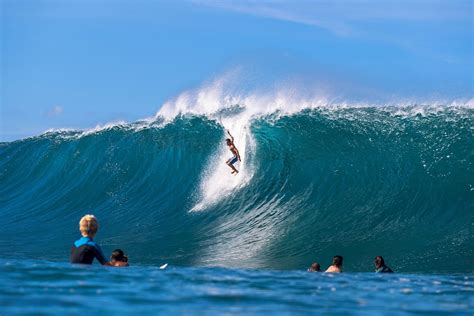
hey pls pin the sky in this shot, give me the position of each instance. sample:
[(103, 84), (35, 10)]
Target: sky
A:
[(81, 63)]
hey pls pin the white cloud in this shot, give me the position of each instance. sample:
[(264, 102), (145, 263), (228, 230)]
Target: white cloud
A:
[(280, 10), (343, 17)]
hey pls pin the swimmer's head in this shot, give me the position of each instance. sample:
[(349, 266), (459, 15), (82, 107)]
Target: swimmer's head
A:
[(337, 261), (379, 262), (88, 225), (315, 267), (228, 141), (117, 255)]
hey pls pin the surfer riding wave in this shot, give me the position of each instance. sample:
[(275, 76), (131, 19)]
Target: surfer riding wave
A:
[(236, 156)]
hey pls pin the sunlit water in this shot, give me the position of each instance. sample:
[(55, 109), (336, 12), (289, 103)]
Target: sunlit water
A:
[(36, 287)]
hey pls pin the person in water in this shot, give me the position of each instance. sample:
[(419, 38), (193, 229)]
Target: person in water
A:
[(380, 266), (118, 259), (230, 162), (315, 267), (336, 266), (86, 249)]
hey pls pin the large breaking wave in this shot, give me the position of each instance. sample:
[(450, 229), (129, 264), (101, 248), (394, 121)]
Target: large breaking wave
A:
[(356, 181)]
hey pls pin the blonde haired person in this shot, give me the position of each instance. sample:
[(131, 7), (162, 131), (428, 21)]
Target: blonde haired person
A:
[(86, 249)]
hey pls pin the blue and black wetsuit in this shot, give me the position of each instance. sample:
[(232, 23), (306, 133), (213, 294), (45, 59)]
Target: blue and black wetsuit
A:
[(85, 250)]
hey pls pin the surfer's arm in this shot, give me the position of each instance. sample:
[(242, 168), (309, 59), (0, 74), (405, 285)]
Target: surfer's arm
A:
[(231, 137), (237, 153)]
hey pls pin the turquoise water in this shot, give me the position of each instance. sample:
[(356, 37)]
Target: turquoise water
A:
[(357, 182), (37, 287)]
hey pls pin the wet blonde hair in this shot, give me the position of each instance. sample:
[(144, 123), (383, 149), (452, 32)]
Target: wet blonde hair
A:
[(88, 225)]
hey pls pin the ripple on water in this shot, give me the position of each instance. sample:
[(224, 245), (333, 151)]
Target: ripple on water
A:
[(45, 287)]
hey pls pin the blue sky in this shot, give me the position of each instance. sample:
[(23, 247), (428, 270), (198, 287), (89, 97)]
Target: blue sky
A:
[(76, 64)]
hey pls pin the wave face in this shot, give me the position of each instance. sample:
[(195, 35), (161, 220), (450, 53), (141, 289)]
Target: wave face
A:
[(357, 181)]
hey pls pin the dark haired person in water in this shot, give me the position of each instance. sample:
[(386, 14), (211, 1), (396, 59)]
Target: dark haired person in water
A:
[(85, 249), (336, 266), (230, 162), (380, 266), (315, 267), (118, 259)]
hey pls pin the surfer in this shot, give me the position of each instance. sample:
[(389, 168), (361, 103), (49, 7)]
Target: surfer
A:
[(380, 266), (336, 266), (236, 156), (85, 249)]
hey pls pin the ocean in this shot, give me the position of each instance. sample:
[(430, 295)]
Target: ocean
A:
[(350, 181), (41, 287)]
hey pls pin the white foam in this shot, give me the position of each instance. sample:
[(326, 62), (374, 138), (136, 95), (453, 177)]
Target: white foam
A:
[(215, 97), (217, 182), (74, 133), (287, 98)]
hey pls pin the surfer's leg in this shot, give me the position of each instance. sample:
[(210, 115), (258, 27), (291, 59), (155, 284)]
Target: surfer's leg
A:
[(230, 163), (234, 170)]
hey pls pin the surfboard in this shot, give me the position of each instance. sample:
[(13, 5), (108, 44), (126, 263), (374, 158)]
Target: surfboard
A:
[(164, 266)]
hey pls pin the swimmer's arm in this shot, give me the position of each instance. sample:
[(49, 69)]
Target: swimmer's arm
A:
[(100, 256)]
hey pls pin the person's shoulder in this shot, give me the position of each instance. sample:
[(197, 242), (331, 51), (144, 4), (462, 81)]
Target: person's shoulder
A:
[(81, 242), (334, 269), (92, 243)]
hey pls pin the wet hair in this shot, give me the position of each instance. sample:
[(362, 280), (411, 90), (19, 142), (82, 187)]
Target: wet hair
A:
[(117, 255), (88, 225), (337, 261), (315, 267), (228, 140), (379, 262)]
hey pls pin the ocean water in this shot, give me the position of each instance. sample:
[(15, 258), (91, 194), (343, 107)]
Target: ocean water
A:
[(41, 287), (357, 182)]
